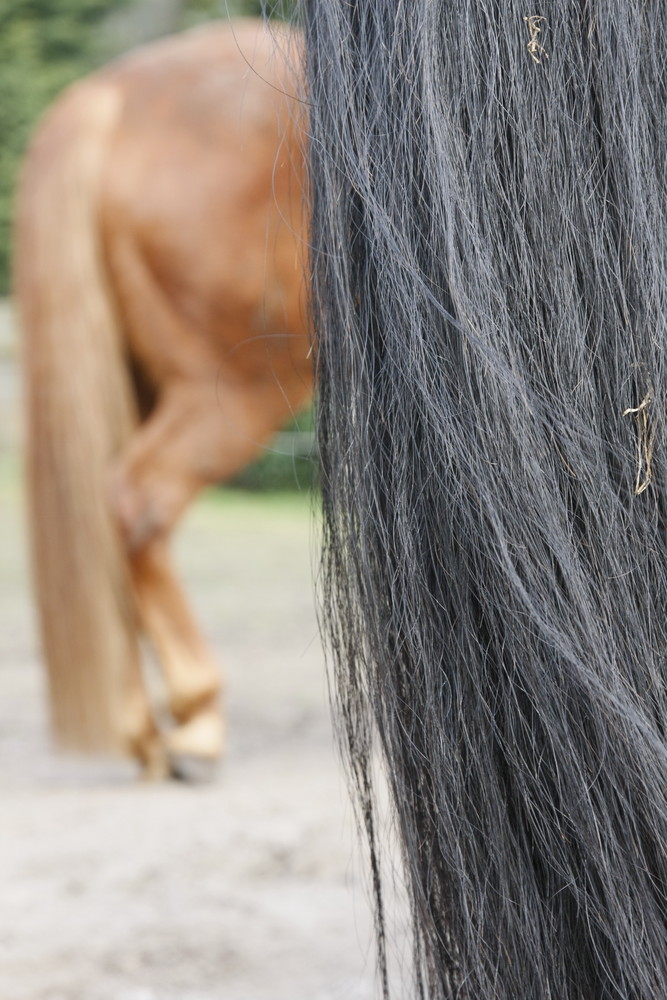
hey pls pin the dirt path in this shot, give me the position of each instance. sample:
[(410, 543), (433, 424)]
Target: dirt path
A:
[(244, 890)]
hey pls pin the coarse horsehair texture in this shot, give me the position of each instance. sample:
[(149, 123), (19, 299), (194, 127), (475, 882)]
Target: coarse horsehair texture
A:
[(489, 252)]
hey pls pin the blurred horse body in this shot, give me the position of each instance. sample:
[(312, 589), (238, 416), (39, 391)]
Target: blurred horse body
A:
[(160, 280)]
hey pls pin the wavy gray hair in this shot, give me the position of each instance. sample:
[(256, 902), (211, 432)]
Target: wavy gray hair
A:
[(489, 282)]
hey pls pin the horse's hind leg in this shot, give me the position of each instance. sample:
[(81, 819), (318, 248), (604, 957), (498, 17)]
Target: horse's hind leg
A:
[(193, 437), (191, 674)]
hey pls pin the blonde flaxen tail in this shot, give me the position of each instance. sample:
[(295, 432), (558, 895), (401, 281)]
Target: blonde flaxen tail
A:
[(80, 411)]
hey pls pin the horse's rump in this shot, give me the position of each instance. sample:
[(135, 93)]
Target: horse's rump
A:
[(208, 128)]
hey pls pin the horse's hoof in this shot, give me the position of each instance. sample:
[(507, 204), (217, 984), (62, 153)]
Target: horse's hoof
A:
[(193, 770), (195, 747)]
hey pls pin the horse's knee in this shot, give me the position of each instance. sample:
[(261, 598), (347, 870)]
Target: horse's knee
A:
[(138, 510)]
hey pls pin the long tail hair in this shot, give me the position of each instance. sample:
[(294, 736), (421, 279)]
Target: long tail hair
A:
[(489, 295), (79, 412)]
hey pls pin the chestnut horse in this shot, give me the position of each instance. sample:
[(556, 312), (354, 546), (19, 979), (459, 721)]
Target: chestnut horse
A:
[(159, 273)]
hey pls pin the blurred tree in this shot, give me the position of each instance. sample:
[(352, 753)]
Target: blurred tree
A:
[(197, 11)]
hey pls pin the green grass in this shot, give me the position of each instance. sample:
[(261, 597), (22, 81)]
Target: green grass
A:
[(249, 510), (11, 474)]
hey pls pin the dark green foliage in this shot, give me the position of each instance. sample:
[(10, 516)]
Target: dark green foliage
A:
[(197, 11), (288, 463)]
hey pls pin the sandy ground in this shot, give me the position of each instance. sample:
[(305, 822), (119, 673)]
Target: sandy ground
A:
[(247, 889)]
